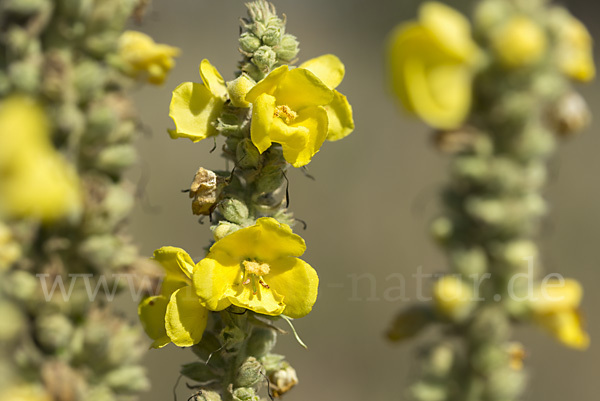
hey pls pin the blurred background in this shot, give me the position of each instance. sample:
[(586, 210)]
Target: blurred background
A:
[(369, 209)]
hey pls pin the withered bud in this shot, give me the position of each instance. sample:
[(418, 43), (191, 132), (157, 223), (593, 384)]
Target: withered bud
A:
[(455, 141), (569, 114), (283, 380), (205, 191)]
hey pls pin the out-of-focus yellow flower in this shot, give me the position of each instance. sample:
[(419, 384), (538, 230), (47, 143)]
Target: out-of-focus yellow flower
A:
[(36, 182), (10, 251), (195, 107), (142, 56), (453, 298), (519, 42), (556, 308), (299, 109), (257, 268), (175, 315), (24, 393), (574, 51), (430, 63)]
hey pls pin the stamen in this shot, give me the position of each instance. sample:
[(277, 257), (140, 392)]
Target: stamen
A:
[(256, 268), (288, 115), (247, 281), (263, 284)]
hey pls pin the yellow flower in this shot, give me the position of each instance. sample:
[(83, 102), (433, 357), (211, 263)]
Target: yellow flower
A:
[(453, 298), (556, 308), (574, 50), (257, 268), (35, 181), (194, 107), (175, 315), (519, 42), (142, 56), (300, 108), (430, 64)]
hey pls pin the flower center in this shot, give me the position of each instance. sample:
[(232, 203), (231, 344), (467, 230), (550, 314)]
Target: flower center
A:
[(259, 269), (253, 271), (288, 115)]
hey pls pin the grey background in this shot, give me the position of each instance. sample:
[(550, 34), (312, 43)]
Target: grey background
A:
[(368, 210)]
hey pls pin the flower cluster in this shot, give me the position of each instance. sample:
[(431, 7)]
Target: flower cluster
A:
[(297, 108), (256, 268)]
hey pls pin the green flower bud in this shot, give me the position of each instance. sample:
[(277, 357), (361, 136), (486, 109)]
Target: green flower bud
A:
[(469, 262), (264, 58), (245, 394), (128, 379), (101, 121), (199, 371), (89, 79), (249, 43), (53, 331), (287, 49), (248, 156), (270, 179), (439, 361), (441, 229), (261, 342), (223, 229), (125, 347), (13, 322), (490, 325), (234, 210), (70, 119), (117, 158), (22, 286), (272, 35), (204, 395), (25, 76), (250, 373), (410, 322), (273, 362), (505, 384)]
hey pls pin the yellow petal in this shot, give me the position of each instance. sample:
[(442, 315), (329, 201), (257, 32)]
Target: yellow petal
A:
[(450, 28), (440, 94), (265, 301), (293, 139), (193, 109), (300, 88), (297, 281), (263, 111), (566, 327), (314, 120), (212, 79), (339, 113), (268, 85), (328, 68), (554, 298), (185, 319), (213, 277), (152, 315), (176, 262), (267, 240)]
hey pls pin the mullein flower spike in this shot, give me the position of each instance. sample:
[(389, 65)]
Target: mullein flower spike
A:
[(271, 115), (67, 129), (498, 99)]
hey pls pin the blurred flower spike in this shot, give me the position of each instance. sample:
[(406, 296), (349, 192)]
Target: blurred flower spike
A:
[(36, 181), (297, 108), (142, 57), (556, 308), (431, 64)]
